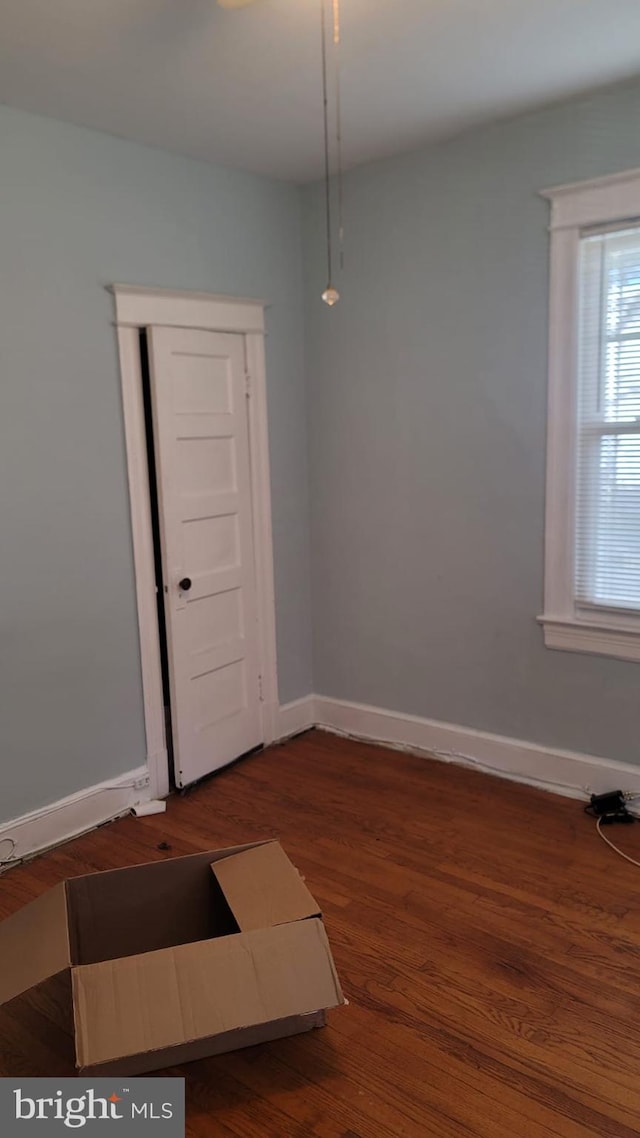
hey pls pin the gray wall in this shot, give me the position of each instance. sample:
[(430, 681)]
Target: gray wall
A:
[(427, 389), (79, 210), (427, 413)]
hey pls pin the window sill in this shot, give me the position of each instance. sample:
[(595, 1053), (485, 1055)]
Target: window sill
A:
[(571, 635)]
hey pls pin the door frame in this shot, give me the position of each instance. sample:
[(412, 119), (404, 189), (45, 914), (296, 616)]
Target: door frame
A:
[(137, 308)]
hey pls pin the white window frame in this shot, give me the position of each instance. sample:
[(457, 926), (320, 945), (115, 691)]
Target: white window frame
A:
[(601, 201)]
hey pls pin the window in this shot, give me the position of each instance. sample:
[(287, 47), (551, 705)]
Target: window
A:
[(592, 572), (607, 569)]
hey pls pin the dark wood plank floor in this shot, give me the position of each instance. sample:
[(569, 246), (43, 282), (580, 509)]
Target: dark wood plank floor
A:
[(488, 942)]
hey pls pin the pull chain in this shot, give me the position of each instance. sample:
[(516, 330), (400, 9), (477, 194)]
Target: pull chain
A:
[(337, 40), (331, 295)]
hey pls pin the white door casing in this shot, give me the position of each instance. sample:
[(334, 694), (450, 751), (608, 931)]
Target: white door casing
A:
[(201, 435), (164, 312)]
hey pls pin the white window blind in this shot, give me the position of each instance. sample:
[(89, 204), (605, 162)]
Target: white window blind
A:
[(607, 560)]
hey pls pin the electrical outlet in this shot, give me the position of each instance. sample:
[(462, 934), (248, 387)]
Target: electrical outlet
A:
[(141, 782)]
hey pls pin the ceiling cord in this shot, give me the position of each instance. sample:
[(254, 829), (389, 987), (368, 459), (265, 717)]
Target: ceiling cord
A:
[(325, 103), (337, 39)]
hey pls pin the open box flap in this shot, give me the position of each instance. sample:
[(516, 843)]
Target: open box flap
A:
[(34, 943), (263, 888), (160, 999)]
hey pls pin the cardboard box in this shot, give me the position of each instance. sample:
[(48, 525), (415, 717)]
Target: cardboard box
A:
[(179, 959)]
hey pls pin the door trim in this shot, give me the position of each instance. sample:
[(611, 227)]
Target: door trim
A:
[(138, 308)]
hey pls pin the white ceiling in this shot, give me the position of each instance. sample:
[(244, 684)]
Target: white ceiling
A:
[(243, 87)]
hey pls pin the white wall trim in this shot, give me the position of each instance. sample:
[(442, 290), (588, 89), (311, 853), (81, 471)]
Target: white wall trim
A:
[(73, 815), (563, 772), (597, 201), (262, 530), (145, 578), (143, 307), (568, 626), (140, 307), (572, 636), (568, 773), (296, 717)]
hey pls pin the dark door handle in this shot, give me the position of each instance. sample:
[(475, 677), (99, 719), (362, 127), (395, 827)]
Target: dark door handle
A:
[(185, 584)]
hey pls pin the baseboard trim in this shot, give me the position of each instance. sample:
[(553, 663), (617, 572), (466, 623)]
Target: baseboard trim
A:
[(569, 773), (296, 717), (563, 772), (68, 817)]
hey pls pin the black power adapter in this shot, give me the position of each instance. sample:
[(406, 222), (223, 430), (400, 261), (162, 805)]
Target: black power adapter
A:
[(609, 803), (610, 808)]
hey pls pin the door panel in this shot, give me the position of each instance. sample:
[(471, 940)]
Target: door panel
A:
[(204, 497)]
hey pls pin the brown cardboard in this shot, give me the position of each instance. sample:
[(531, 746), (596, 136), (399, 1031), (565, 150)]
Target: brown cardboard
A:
[(34, 943), (205, 1048), (263, 888), (123, 912), (178, 959), (177, 995)]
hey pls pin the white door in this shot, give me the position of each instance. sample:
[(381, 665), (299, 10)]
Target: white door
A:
[(201, 439)]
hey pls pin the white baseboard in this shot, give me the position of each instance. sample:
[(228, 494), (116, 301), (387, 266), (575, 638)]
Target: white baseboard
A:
[(74, 815), (296, 717), (563, 772)]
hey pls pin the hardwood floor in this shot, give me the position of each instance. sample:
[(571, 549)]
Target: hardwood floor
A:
[(488, 942)]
